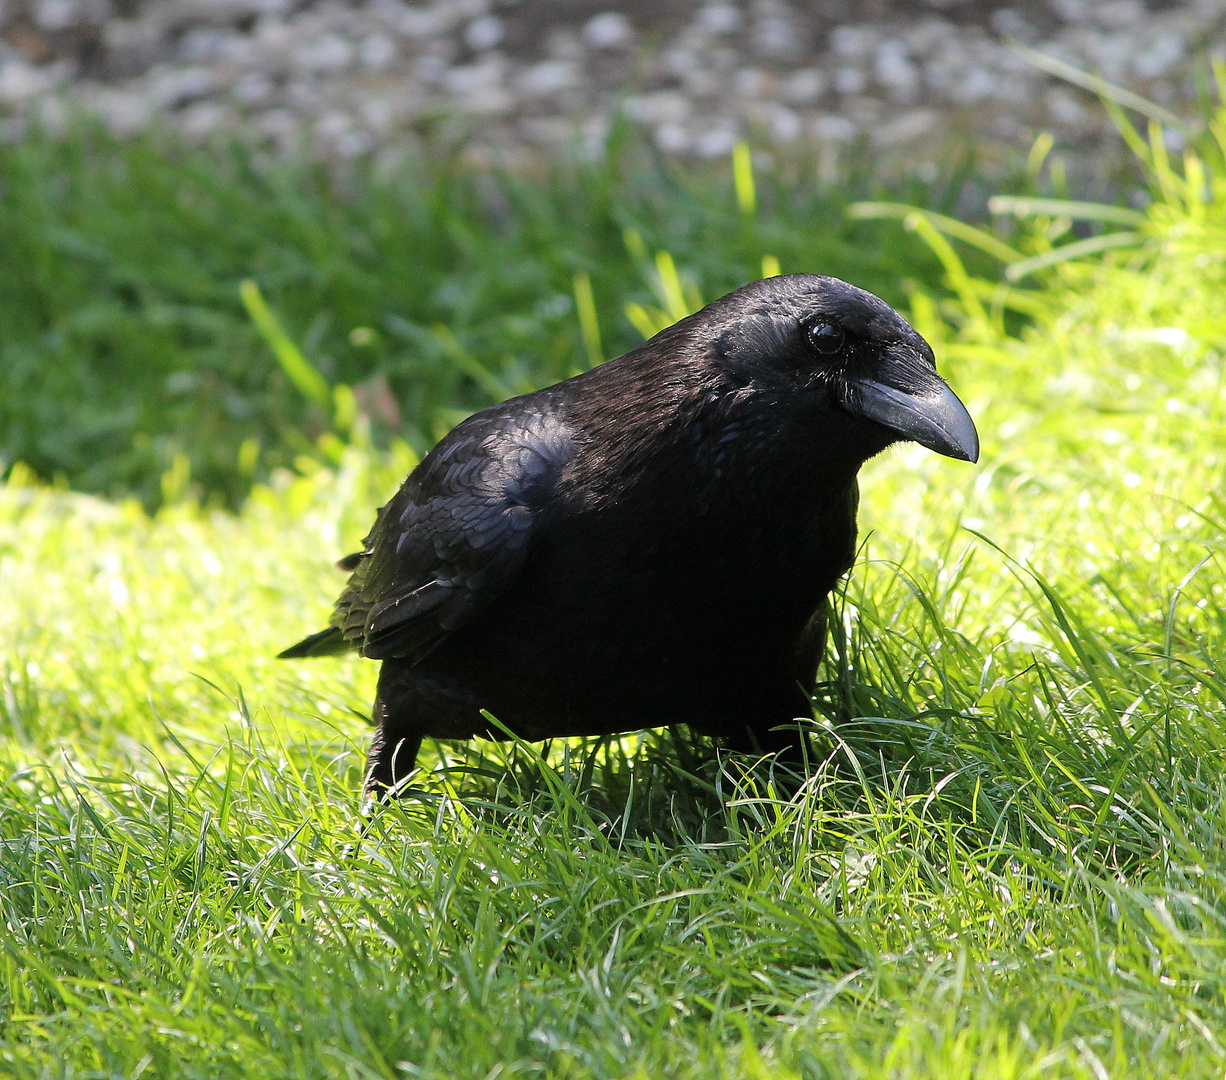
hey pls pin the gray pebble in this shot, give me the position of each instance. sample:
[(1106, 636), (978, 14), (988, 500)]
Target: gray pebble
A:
[(483, 33), (719, 18), (608, 30), (353, 77)]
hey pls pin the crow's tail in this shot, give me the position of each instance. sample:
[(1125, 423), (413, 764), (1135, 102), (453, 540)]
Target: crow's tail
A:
[(330, 642)]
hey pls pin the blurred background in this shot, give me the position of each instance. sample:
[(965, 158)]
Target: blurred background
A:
[(513, 77), (444, 203)]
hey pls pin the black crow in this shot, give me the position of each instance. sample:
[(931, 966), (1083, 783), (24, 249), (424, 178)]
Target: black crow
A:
[(649, 543)]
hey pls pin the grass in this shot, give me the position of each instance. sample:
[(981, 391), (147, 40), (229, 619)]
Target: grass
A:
[(1008, 861), (125, 346)]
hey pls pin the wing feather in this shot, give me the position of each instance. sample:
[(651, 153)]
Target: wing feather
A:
[(456, 534)]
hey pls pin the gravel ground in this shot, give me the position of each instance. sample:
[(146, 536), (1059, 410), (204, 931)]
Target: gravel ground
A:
[(521, 76)]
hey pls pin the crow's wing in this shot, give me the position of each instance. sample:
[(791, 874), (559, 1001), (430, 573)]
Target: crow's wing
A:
[(454, 536)]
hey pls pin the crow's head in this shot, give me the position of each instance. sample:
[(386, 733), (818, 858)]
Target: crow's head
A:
[(818, 335)]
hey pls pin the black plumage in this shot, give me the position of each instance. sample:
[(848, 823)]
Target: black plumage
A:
[(649, 543)]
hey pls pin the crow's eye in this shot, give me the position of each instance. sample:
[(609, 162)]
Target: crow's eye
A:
[(825, 338)]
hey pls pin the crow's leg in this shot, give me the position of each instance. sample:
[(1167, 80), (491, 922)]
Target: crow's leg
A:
[(393, 751), (390, 760), (779, 732), (784, 739)]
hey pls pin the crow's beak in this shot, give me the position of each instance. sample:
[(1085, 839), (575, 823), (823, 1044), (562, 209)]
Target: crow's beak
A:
[(932, 416)]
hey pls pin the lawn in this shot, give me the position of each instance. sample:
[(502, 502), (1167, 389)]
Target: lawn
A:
[(124, 344), (1007, 861)]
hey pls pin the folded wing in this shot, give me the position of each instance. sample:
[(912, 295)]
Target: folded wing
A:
[(453, 538)]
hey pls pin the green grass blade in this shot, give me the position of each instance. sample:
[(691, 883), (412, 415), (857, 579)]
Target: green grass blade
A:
[(308, 381), (1098, 85), (979, 238), (1092, 245), (1025, 206)]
